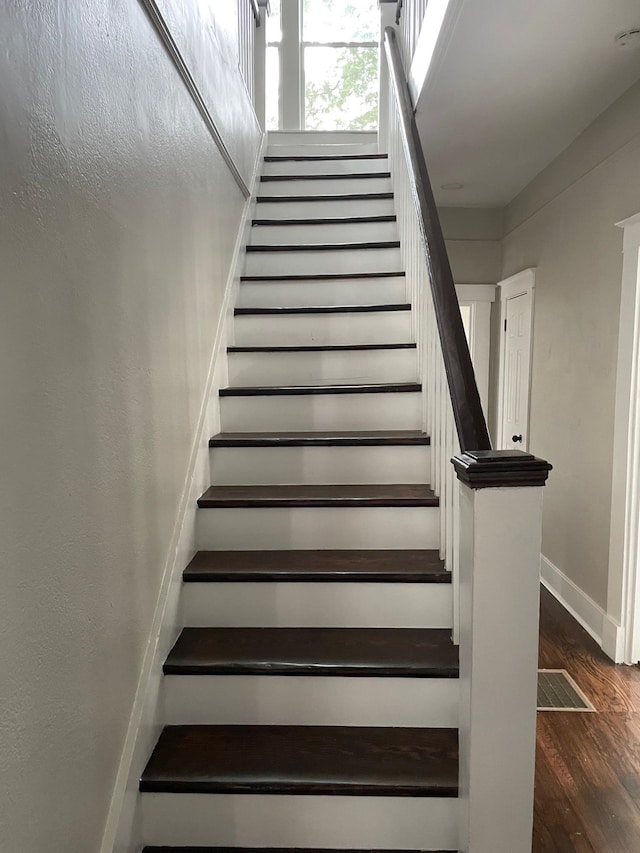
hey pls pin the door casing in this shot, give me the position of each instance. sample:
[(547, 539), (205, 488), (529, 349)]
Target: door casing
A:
[(521, 283)]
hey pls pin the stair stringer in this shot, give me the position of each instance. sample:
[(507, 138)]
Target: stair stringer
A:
[(121, 833)]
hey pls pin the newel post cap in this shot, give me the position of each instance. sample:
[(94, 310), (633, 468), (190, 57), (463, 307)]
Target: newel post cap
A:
[(495, 469)]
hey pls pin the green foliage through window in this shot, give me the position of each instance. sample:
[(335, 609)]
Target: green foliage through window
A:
[(341, 88)]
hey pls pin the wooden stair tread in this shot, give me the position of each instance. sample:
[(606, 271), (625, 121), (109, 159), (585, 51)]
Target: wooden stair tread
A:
[(326, 220), (388, 566), (335, 760), (299, 390), (324, 348), (324, 247), (401, 494), (271, 199), (329, 276), (155, 849), (324, 309), (376, 652), (347, 438), (306, 158), (337, 176)]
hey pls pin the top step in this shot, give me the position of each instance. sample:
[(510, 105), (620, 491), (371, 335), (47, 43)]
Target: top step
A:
[(321, 142)]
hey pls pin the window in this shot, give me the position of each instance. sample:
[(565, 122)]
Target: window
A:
[(272, 70), (340, 64), (337, 64)]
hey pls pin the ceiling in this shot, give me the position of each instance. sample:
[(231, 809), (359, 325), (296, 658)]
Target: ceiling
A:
[(512, 83)]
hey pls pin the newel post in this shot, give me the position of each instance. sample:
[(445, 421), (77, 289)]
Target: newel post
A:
[(500, 537)]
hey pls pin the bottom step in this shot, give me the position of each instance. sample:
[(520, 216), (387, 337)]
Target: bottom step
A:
[(275, 850), (302, 786)]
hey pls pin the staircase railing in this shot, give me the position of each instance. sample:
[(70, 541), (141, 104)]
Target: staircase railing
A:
[(491, 511)]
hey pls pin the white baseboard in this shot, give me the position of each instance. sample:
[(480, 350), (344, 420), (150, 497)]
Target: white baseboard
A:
[(121, 830), (613, 641), (581, 606)]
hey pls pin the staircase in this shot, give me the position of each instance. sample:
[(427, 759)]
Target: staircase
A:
[(311, 700)]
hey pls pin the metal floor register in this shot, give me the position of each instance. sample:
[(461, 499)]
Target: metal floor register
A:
[(557, 691)]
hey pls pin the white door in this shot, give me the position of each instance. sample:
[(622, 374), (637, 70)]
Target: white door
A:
[(516, 355)]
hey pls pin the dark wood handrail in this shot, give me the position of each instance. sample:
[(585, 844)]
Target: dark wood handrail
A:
[(256, 11), (465, 398)]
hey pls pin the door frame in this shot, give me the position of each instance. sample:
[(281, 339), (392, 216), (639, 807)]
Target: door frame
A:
[(621, 625), (523, 282), (478, 298)]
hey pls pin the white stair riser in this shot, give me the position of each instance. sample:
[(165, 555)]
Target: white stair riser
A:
[(352, 232), (340, 328), (323, 167), (297, 465), (330, 186), (249, 820), (304, 139), (323, 367), (320, 149), (357, 291), (321, 412), (315, 262), (309, 701), (283, 604), (283, 528), (317, 209)]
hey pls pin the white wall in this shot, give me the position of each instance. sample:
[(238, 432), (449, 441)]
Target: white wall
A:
[(563, 224), (118, 220), (473, 236)]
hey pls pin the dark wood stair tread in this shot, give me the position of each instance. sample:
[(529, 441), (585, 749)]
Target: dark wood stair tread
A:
[(324, 309), (374, 652), (307, 158), (324, 348), (318, 390), (326, 220), (339, 176), (271, 199), (349, 438), (377, 495), (334, 760), (324, 247), (329, 276), (155, 849), (379, 566)]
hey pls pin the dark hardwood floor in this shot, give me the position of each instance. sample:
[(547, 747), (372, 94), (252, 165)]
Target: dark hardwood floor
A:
[(588, 765)]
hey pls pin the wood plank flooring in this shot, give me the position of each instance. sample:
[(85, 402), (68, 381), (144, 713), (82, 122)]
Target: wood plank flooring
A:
[(587, 797)]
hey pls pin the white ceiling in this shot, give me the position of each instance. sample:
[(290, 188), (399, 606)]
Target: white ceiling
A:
[(512, 83)]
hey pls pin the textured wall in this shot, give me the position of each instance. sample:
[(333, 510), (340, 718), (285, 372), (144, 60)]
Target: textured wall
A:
[(563, 224), (117, 224)]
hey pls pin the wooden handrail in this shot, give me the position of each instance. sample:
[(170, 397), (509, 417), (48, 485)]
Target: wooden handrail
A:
[(256, 11), (465, 398)]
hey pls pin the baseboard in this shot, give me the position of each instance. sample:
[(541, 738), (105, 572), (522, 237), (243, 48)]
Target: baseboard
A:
[(121, 831), (583, 608), (613, 641)]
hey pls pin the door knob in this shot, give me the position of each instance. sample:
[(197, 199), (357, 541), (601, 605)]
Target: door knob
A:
[(516, 437)]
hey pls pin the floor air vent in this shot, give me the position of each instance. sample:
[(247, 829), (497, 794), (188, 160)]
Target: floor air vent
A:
[(557, 691)]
